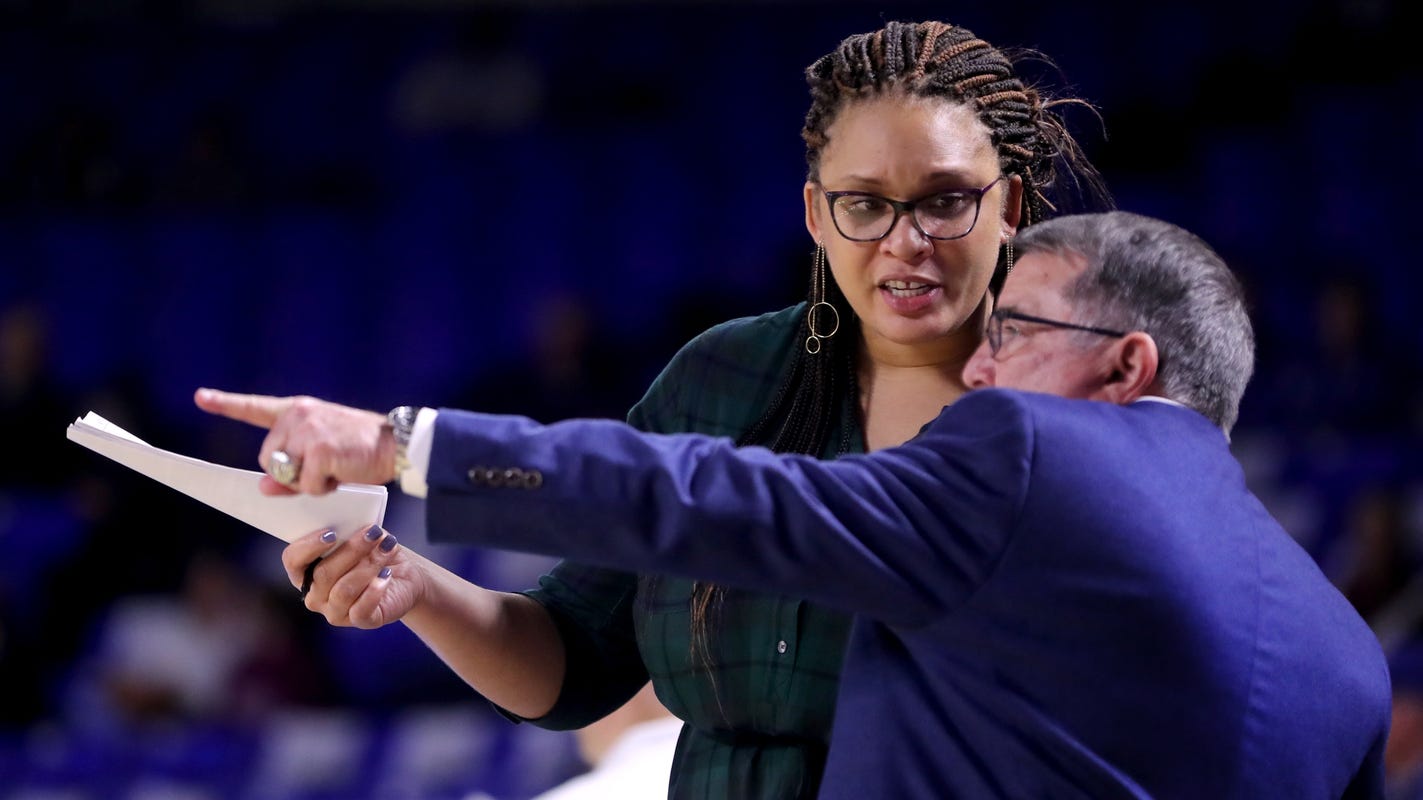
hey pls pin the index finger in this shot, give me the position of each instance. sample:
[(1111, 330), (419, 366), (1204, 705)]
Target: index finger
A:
[(305, 549), (255, 409)]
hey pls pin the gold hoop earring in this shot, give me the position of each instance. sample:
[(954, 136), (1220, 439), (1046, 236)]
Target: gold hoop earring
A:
[(813, 342)]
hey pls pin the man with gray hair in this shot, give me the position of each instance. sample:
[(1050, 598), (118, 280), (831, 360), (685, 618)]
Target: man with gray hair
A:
[(1132, 273), (1063, 587)]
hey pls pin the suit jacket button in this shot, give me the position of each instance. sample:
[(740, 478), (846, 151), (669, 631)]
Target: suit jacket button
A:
[(494, 477), (533, 479), (513, 476), (476, 475)]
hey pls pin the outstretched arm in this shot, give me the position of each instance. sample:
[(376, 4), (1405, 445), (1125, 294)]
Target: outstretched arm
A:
[(900, 535)]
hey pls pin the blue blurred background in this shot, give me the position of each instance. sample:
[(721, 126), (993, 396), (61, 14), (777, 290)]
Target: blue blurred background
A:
[(528, 207)]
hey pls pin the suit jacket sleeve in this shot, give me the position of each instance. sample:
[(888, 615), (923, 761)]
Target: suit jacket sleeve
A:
[(902, 535)]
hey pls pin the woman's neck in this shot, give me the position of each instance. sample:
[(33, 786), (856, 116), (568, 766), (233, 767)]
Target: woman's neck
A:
[(903, 388)]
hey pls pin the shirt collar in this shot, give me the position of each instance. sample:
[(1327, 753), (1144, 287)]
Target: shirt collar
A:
[(1153, 398)]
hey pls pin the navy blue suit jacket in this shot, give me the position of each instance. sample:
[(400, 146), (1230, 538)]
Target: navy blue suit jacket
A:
[(1056, 598)]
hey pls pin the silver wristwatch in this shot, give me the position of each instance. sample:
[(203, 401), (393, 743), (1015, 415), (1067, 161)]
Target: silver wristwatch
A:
[(401, 421)]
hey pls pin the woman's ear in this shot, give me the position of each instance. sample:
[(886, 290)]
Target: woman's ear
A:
[(1013, 205), (1131, 370), (812, 210)]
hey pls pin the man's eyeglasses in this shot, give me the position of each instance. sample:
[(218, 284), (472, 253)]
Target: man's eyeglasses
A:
[(1002, 332), (865, 217)]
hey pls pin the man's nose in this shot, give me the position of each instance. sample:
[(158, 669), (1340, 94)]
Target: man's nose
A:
[(978, 372)]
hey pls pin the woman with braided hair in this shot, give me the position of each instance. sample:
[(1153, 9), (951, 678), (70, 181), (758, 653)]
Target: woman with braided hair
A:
[(926, 153)]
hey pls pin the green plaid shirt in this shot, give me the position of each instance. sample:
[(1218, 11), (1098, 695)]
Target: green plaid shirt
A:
[(758, 717)]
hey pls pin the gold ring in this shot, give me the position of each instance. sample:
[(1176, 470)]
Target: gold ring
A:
[(284, 469)]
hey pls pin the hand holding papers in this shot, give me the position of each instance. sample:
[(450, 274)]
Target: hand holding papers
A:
[(234, 491)]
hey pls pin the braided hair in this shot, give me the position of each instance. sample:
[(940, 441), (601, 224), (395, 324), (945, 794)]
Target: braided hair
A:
[(935, 59), (924, 59)]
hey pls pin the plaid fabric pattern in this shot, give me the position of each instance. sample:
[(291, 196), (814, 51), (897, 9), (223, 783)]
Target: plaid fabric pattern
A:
[(759, 697)]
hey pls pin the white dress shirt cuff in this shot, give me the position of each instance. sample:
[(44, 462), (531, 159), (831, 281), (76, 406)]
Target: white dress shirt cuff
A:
[(414, 480)]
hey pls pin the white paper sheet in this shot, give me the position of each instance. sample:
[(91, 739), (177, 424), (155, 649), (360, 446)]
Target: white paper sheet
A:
[(234, 491)]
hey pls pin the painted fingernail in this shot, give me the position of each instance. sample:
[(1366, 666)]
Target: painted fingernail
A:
[(384, 573), (388, 543), (328, 537), (373, 533)]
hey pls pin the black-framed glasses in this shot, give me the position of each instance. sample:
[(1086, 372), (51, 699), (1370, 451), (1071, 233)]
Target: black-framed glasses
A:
[(1001, 333), (866, 217)]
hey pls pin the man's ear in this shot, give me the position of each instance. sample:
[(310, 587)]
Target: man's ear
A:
[(1131, 369)]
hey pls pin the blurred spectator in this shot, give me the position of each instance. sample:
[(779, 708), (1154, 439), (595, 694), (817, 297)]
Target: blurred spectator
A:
[(1403, 759), (1350, 379), (135, 536), (569, 369), (282, 669), (214, 651), (33, 407), (39, 527), (1380, 558)]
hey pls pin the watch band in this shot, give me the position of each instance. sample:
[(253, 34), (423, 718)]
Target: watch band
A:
[(401, 420)]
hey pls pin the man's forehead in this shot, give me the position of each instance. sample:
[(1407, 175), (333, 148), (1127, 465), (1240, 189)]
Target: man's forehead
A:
[(1039, 277)]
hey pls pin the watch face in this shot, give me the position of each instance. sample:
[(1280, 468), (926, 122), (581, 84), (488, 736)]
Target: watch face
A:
[(401, 420)]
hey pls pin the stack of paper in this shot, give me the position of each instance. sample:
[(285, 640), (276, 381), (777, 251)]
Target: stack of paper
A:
[(234, 491)]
